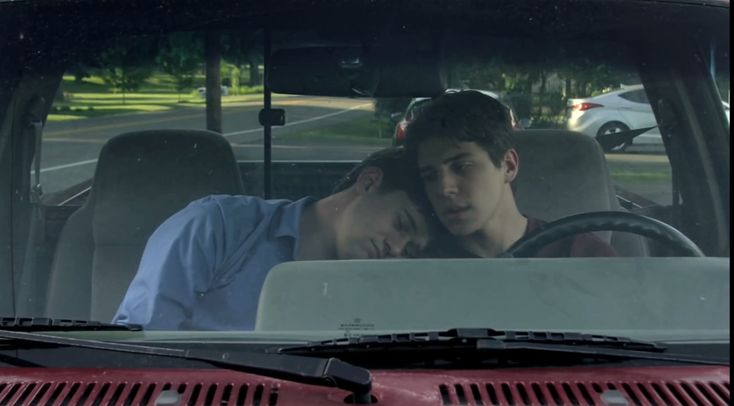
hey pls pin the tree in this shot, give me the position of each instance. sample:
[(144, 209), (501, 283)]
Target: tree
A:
[(127, 63), (180, 56), (244, 48), (126, 78), (80, 71), (253, 61)]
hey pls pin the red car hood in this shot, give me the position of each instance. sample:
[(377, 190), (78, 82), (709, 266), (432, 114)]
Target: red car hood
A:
[(548, 386)]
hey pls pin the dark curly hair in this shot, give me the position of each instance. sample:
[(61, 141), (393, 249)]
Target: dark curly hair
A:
[(466, 116)]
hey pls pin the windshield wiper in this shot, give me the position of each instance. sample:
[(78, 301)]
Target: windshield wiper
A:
[(46, 324), (330, 372), (494, 344), (612, 140)]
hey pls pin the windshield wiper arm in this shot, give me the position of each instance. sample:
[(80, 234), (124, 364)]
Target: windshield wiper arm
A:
[(495, 343), (330, 372), (46, 324)]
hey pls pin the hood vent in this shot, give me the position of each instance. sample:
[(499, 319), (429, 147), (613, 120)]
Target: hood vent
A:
[(594, 393), (106, 393), (654, 386)]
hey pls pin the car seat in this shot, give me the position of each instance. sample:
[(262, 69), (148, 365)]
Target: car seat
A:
[(564, 173), (141, 179)]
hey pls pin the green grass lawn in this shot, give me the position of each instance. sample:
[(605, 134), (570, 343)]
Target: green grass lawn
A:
[(640, 171), (642, 176), (93, 98), (362, 130), (158, 83)]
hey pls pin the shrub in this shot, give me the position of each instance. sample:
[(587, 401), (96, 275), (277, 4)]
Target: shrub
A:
[(242, 90)]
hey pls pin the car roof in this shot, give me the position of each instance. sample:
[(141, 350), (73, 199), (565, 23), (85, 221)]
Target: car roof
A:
[(485, 92), (615, 92), (454, 90), (629, 88)]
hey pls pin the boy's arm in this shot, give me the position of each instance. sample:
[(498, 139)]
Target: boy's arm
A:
[(179, 261)]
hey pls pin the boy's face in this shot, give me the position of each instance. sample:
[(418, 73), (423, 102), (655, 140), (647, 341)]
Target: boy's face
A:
[(463, 185), (380, 224)]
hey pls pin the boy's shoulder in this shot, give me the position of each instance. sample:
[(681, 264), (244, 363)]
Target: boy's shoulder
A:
[(236, 204)]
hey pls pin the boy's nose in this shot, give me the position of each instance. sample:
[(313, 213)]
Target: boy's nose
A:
[(448, 185)]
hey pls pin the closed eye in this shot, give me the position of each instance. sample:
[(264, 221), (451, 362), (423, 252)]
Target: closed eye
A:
[(410, 221), (399, 223), (428, 176)]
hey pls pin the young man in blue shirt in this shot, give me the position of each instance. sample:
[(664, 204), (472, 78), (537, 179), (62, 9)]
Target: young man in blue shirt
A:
[(203, 268)]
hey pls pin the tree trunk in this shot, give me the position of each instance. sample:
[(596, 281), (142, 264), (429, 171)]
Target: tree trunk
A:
[(213, 54), (529, 89), (59, 96), (580, 89), (255, 79), (235, 78), (542, 102)]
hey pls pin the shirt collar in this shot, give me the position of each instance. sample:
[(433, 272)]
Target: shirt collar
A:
[(288, 219)]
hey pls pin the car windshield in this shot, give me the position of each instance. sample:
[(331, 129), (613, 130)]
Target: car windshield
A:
[(228, 171)]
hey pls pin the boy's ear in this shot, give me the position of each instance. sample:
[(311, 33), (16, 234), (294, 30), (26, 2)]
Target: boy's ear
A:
[(511, 165), (369, 179)]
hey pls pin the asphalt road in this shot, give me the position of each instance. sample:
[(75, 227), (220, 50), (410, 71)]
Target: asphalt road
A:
[(70, 149)]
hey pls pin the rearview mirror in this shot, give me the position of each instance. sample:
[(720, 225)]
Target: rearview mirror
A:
[(354, 71)]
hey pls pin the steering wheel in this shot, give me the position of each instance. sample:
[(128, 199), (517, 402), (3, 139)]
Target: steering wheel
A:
[(604, 221)]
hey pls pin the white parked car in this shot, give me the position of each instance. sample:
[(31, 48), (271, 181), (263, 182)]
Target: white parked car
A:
[(616, 111)]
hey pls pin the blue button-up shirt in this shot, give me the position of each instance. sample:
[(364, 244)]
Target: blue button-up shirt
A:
[(204, 267)]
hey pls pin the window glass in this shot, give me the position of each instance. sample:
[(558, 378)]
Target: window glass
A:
[(574, 107), (637, 96)]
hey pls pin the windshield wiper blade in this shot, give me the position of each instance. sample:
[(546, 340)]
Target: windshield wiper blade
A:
[(330, 372), (573, 338), (46, 324), (459, 336), (491, 343)]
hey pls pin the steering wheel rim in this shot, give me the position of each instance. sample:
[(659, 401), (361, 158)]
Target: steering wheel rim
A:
[(604, 221)]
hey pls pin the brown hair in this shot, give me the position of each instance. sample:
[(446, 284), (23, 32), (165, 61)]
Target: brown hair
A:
[(398, 173)]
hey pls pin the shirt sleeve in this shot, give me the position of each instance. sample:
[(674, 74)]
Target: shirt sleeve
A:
[(179, 262)]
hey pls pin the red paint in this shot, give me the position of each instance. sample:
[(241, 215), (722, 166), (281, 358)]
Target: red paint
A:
[(643, 385)]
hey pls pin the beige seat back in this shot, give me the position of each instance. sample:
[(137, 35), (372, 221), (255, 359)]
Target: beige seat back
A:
[(141, 179), (563, 173)]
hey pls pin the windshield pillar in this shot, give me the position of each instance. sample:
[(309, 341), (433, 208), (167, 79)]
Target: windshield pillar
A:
[(267, 124)]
